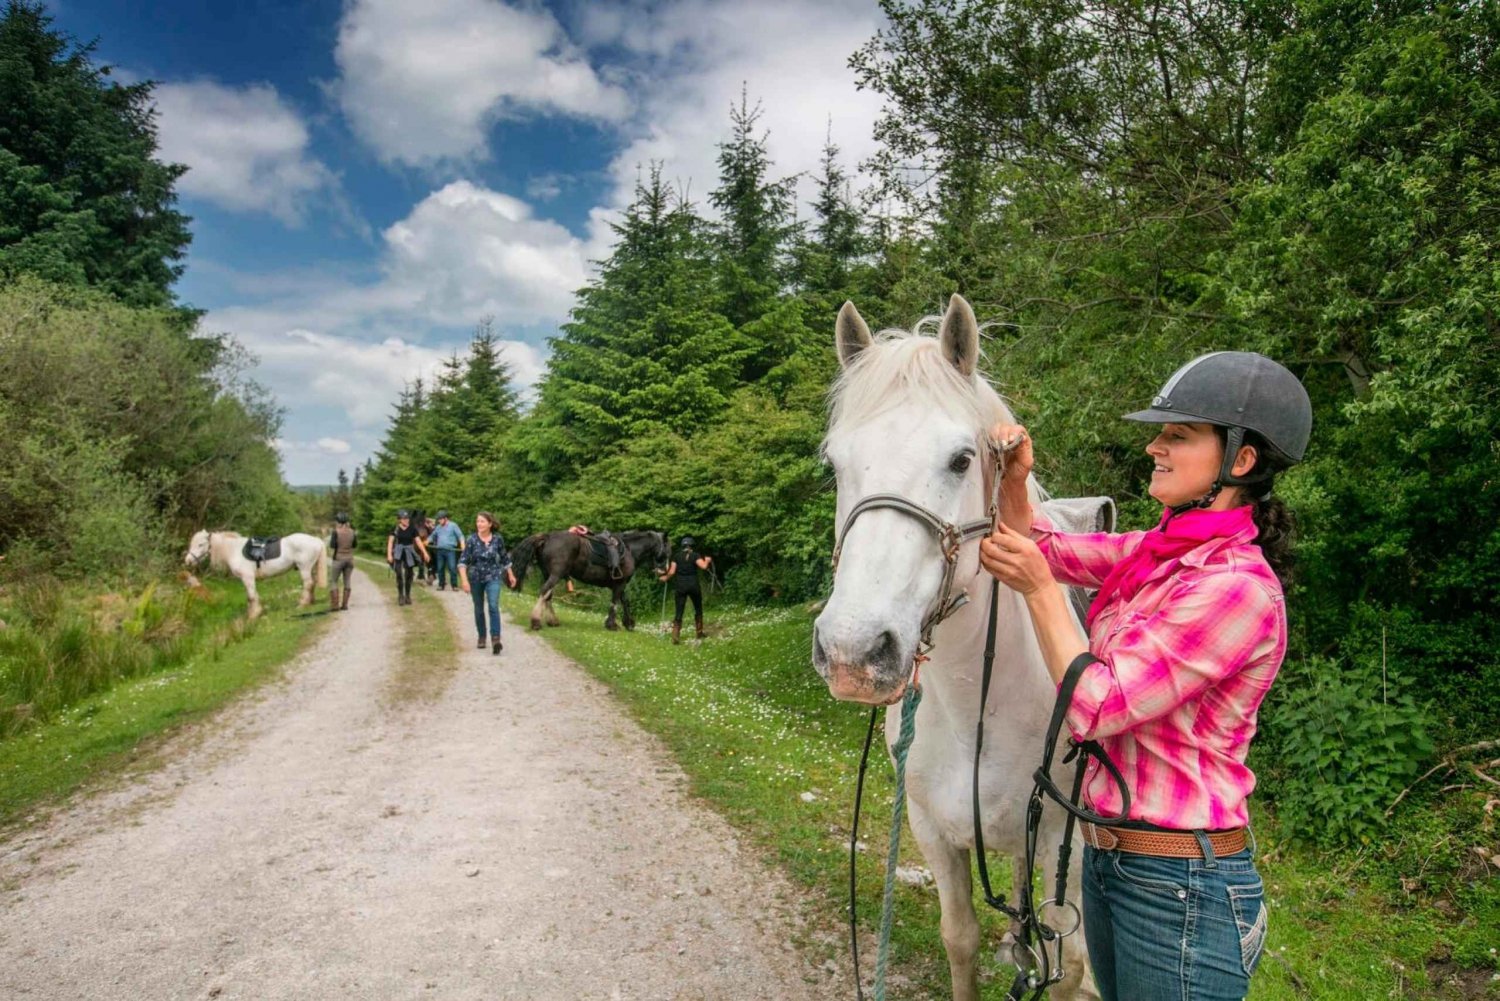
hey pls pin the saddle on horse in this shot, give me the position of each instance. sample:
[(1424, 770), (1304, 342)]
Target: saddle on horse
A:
[(262, 548), (606, 550)]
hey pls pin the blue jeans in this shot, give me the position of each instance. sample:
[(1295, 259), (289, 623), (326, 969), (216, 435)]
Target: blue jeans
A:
[(1172, 929), (488, 592), (445, 558)]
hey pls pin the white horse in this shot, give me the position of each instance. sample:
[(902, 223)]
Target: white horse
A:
[(910, 417), (225, 551)]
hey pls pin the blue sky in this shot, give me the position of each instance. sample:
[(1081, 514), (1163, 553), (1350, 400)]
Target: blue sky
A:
[(369, 178)]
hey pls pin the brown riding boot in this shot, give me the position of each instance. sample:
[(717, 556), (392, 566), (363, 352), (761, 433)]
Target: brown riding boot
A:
[(344, 603), (333, 599), (698, 624), (677, 632)]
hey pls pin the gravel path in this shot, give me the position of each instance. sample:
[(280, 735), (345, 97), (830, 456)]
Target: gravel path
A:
[(518, 837)]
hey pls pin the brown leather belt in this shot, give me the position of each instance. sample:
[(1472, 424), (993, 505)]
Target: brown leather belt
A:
[(1170, 844)]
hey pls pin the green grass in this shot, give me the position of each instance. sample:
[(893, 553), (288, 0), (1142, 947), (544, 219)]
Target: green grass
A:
[(429, 650), (754, 728), (112, 731)]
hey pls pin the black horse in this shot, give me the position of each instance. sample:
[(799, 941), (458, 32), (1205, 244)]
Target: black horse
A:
[(564, 554)]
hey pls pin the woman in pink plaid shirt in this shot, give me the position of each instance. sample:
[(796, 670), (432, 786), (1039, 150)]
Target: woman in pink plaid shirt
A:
[(1187, 631)]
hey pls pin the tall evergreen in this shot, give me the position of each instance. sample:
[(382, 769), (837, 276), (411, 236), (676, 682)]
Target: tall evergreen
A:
[(646, 348), (838, 241), (756, 222), (83, 201)]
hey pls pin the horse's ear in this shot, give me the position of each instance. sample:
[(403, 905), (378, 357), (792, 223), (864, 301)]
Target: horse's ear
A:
[(851, 333), (959, 336)]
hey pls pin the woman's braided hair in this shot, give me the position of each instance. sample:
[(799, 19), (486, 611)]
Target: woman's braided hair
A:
[(1275, 524)]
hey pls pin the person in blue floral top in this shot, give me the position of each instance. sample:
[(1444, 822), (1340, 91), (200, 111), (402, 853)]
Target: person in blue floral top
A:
[(481, 566)]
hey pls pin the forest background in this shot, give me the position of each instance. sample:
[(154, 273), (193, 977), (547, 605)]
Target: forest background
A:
[(1116, 187)]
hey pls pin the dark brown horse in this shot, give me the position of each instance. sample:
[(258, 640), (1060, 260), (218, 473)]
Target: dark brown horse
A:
[(563, 554)]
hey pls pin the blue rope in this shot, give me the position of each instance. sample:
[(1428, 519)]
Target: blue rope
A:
[(908, 730)]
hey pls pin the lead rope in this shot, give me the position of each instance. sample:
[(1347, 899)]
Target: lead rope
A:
[(909, 704)]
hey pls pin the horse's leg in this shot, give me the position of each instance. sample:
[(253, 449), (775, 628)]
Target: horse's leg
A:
[(307, 585), (552, 619), (252, 597), (543, 599), (959, 924), (626, 617), (614, 596)]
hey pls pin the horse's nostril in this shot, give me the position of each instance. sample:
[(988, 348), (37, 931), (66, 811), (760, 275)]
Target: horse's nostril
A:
[(885, 651), (820, 656)]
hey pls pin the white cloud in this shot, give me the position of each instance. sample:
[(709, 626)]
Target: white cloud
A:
[(790, 56), (422, 83), (333, 446), (466, 251), (246, 148)]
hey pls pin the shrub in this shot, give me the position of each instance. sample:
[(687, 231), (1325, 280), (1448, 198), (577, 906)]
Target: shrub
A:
[(1347, 743)]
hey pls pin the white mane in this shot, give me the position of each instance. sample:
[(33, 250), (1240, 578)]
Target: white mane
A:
[(904, 366)]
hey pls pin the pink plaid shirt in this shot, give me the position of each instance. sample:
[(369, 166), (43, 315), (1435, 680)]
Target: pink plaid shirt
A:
[(1183, 668)]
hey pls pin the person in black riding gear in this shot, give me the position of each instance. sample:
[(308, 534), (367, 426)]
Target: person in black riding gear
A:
[(685, 566), (404, 549)]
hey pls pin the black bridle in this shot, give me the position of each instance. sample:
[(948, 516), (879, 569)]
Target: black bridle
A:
[(1036, 969)]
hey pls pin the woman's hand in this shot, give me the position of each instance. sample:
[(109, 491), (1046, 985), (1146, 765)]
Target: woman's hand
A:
[(510, 578), (1016, 444), (1015, 560), (464, 584)]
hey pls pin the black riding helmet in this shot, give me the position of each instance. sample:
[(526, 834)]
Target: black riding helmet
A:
[(1240, 391), (403, 513), (687, 541), (342, 517)]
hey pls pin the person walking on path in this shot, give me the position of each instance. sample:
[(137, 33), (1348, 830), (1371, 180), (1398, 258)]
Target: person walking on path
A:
[(446, 542), (684, 567), (481, 566), (404, 549), (1185, 637), (341, 547)]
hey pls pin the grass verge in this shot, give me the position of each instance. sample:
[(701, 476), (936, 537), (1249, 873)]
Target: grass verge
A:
[(108, 732), (429, 651), (760, 739)]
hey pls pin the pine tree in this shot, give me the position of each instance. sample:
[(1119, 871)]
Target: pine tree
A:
[(82, 199), (827, 261), (756, 219), (490, 401), (645, 349)]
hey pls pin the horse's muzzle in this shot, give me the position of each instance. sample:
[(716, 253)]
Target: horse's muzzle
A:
[(877, 676)]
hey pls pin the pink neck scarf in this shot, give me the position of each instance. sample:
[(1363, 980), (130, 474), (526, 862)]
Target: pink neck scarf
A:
[(1175, 536)]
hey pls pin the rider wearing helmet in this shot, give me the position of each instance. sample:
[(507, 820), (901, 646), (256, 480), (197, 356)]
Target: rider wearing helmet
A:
[(404, 549), (341, 542), (1185, 637), (685, 564)]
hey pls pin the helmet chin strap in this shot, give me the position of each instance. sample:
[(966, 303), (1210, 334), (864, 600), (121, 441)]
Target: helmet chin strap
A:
[(1234, 441)]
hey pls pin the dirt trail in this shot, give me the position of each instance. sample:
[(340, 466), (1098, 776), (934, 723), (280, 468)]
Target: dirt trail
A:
[(517, 838)]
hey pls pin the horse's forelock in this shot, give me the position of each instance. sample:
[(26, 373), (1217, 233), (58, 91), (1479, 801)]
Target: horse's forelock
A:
[(907, 367)]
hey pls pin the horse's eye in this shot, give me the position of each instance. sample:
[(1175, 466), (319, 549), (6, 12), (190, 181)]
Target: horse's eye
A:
[(960, 463)]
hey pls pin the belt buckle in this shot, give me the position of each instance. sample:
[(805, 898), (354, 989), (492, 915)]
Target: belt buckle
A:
[(1098, 835)]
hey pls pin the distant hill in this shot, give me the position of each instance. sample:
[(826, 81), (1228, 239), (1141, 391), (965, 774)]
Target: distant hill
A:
[(313, 488)]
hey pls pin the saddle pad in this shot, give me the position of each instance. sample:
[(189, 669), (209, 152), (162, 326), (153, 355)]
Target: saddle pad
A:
[(1081, 515)]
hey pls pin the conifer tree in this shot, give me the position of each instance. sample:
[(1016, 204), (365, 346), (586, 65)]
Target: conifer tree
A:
[(756, 219), (646, 349), (83, 201)]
